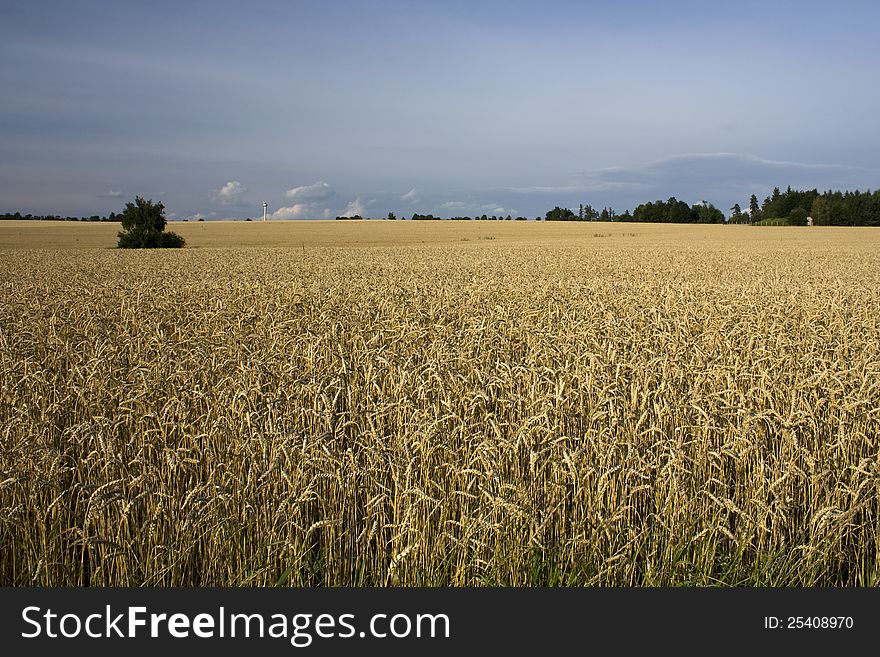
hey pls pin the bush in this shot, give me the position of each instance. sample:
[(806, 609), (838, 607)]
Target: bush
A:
[(797, 217), (143, 227), (171, 241)]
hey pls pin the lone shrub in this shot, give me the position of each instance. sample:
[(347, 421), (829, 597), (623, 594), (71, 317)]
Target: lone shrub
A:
[(143, 227), (797, 217)]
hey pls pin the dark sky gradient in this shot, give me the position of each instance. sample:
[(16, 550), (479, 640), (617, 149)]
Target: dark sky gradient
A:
[(505, 107)]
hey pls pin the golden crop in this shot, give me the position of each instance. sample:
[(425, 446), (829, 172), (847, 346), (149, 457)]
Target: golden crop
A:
[(621, 405)]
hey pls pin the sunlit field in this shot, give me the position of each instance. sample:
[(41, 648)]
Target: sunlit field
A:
[(283, 234), (440, 403)]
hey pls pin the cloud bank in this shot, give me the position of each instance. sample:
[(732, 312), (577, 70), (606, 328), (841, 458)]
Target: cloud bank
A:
[(308, 202), (301, 211)]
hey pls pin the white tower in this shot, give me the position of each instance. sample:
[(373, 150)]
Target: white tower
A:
[(265, 206)]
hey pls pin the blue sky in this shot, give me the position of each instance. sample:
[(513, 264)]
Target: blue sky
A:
[(452, 107)]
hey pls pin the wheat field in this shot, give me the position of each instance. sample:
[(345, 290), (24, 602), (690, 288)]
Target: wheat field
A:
[(466, 405)]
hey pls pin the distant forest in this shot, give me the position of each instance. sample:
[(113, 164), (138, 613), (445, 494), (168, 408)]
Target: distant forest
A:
[(18, 216), (828, 209), (789, 208)]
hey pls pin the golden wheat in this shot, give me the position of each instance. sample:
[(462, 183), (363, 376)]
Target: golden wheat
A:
[(625, 411)]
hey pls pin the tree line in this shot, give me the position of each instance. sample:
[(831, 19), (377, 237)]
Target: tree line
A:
[(483, 217), (585, 213), (791, 207), (430, 217), (669, 211), (18, 216), (796, 207)]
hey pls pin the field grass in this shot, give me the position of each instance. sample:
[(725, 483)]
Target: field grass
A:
[(412, 403), (298, 234)]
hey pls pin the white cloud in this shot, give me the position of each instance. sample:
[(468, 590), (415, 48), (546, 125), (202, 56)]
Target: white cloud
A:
[(315, 192), (197, 216), (307, 202), (112, 194), (411, 196), (295, 211), (231, 192), (353, 208)]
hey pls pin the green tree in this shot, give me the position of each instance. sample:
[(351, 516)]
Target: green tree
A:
[(797, 217), (679, 212), (143, 227), (590, 213), (821, 211), (754, 209), (736, 214), (560, 214), (392, 216), (706, 213)]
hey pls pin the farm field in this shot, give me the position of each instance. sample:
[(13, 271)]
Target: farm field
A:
[(433, 403), (57, 235)]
